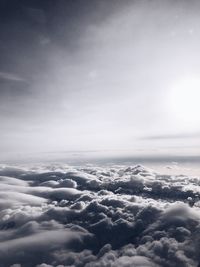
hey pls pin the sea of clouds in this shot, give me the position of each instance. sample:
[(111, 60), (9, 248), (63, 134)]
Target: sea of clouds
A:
[(116, 216)]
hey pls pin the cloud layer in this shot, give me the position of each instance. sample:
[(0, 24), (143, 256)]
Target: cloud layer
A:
[(97, 216)]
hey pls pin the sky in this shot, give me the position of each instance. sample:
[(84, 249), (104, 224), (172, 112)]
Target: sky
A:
[(99, 75)]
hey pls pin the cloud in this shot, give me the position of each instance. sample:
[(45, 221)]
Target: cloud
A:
[(29, 247), (171, 136), (97, 216), (10, 77), (137, 261)]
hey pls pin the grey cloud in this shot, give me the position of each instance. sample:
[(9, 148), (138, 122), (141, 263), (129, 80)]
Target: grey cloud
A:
[(75, 220), (10, 77), (137, 261), (171, 136)]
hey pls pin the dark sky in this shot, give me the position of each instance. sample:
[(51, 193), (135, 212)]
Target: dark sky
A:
[(30, 33), (99, 74)]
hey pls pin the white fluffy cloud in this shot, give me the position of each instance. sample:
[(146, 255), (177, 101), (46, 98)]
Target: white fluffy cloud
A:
[(98, 216)]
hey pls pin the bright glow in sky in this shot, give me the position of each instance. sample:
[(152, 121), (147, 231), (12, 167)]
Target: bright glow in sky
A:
[(184, 100)]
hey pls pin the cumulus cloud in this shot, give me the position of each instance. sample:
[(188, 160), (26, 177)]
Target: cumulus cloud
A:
[(97, 216)]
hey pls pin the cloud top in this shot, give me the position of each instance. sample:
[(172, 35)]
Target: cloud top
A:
[(98, 216)]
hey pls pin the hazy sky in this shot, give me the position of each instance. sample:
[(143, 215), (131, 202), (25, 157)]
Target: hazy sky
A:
[(100, 75)]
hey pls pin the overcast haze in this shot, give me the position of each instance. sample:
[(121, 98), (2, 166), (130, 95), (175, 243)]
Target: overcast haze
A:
[(100, 75)]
